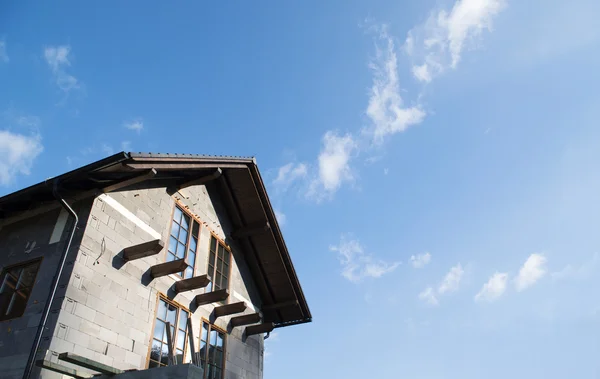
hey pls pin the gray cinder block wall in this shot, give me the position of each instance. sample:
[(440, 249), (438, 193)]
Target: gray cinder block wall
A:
[(107, 306)]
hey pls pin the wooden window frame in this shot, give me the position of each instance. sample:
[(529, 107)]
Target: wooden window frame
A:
[(214, 271), (5, 271), (212, 326), (193, 220), (179, 307)]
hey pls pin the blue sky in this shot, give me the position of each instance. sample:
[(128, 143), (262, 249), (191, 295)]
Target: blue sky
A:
[(434, 164)]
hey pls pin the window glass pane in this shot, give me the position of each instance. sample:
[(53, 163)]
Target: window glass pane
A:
[(28, 275), (183, 316), (182, 236), (211, 354), (171, 314), (185, 222), (174, 229), (226, 257), (219, 265), (196, 229), (164, 359), (162, 310), (213, 337), (156, 349), (189, 272), (180, 250), (213, 244), (152, 364), (179, 356), (159, 330), (220, 340), (191, 258), (211, 259), (170, 257), (217, 373), (221, 251), (193, 243), (203, 350), (180, 339), (209, 287), (177, 214), (172, 244), (204, 335), (218, 358)]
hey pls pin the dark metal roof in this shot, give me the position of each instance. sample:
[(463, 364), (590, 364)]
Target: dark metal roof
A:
[(244, 195)]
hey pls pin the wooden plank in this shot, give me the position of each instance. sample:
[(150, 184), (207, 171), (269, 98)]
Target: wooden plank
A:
[(230, 309), (182, 166), (167, 268), (260, 328), (171, 350), (128, 182), (250, 230), (142, 250), (201, 180), (56, 367), (211, 297), (192, 283), (286, 304), (89, 364), (252, 318), (191, 345)]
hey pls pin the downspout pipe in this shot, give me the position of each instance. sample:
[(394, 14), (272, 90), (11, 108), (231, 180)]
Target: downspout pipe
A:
[(53, 288)]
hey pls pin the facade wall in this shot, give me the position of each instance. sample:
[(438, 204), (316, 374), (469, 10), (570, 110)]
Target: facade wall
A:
[(109, 305), (42, 236)]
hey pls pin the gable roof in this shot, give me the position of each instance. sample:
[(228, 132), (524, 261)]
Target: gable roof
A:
[(242, 190)]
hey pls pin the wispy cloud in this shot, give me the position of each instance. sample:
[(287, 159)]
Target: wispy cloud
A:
[(17, 154), (493, 289), (386, 109), (438, 44), (3, 53), (451, 281), (532, 270), (357, 264), (136, 125), (334, 165), (582, 271), (420, 260), (288, 174), (281, 218), (428, 295), (57, 58)]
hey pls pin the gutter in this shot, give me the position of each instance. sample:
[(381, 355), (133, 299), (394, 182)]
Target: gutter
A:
[(53, 288)]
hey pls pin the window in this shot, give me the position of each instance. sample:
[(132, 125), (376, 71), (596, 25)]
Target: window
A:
[(182, 243), (16, 283), (219, 272), (177, 316), (212, 351)]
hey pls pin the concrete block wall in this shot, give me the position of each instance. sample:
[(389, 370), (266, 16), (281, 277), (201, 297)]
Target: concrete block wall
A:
[(108, 309), (38, 236)]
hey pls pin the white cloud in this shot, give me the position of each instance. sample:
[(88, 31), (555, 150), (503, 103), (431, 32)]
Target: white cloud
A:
[(281, 218), (17, 154), (582, 271), (386, 108), (289, 173), (532, 270), (3, 54), (136, 125), (57, 58), (386, 171), (334, 164), (125, 145), (421, 260), (439, 43), (493, 289), (357, 264), (451, 281), (106, 149), (428, 295)]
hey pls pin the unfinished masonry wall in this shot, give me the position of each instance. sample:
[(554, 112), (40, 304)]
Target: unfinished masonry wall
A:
[(109, 307)]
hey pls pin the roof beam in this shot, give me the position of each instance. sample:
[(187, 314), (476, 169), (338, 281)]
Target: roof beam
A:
[(201, 180), (252, 318), (192, 283), (144, 249), (129, 182), (89, 364), (180, 166), (260, 328), (57, 367), (211, 297), (164, 269), (229, 309), (250, 230)]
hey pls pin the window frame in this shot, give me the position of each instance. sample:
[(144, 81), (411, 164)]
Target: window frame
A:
[(211, 327), (193, 220), (214, 271), (5, 270), (159, 297)]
